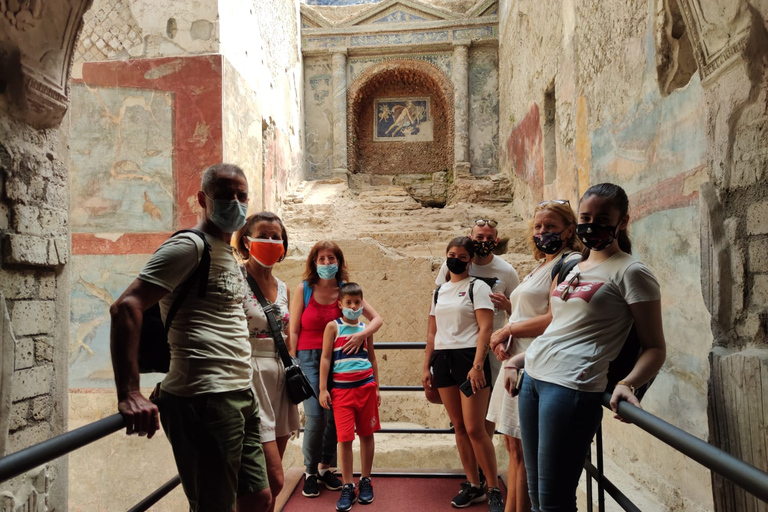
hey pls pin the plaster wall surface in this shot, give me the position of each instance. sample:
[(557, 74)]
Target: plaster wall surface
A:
[(611, 123), (266, 70), (131, 29)]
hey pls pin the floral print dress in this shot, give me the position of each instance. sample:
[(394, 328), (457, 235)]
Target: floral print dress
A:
[(279, 416)]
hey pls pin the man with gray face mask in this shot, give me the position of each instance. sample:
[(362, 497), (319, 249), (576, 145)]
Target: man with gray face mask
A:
[(208, 411)]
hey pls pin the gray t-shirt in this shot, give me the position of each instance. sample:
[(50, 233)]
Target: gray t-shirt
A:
[(210, 352), (589, 328)]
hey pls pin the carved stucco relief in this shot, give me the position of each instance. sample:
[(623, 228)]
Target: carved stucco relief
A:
[(37, 39), (718, 30)]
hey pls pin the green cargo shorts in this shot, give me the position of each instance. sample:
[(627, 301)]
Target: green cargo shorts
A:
[(217, 447)]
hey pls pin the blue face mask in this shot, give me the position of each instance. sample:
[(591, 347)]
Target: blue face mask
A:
[(228, 215), (351, 314), (327, 271)]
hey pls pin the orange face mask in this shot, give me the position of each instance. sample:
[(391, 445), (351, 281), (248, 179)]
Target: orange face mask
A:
[(266, 252)]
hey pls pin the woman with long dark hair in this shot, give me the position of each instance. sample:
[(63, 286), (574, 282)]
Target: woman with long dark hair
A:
[(566, 368), (458, 339)]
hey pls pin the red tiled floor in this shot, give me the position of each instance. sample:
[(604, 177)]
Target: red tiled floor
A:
[(392, 494)]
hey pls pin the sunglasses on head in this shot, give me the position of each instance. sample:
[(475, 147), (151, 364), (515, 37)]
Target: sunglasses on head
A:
[(483, 222), (556, 201)]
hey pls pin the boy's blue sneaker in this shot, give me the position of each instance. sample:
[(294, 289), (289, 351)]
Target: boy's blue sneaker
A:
[(347, 498), (366, 490)]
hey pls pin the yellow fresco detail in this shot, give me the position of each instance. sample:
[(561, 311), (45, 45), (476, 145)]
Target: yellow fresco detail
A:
[(97, 291), (151, 209), (583, 145)]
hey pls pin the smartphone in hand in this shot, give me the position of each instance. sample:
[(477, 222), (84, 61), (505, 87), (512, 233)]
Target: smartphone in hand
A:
[(466, 387), (519, 383)]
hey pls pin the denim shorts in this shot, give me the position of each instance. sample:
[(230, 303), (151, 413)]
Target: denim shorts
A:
[(217, 446)]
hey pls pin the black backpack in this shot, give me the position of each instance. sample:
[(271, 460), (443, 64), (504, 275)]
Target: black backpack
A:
[(630, 351), (490, 281), (154, 351)]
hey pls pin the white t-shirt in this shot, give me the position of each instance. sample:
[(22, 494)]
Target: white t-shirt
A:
[(497, 268), (590, 327), (531, 299), (455, 316), (210, 352)]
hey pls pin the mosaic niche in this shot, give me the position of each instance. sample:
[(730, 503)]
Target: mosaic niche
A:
[(402, 119)]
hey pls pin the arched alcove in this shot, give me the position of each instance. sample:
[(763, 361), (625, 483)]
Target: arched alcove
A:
[(397, 82)]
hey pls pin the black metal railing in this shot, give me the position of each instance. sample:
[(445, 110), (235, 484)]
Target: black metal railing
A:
[(746, 476), (27, 459), (737, 471)]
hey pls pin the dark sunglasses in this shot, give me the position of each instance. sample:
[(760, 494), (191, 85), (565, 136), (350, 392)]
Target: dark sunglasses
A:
[(483, 222), (556, 201), (573, 283)]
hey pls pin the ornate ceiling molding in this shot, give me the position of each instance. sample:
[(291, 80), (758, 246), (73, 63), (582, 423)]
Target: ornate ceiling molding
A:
[(399, 25), (40, 36)]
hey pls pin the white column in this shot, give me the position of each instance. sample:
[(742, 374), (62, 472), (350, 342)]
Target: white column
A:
[(461, 106), (339, 74)]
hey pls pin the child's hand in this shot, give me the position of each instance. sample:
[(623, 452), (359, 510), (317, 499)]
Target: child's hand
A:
[(325, 399), (378, 397)]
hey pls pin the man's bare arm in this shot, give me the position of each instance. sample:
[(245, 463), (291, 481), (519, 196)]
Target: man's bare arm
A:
[(141, 415)]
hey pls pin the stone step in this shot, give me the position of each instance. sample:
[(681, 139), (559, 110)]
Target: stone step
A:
[(412, 451)]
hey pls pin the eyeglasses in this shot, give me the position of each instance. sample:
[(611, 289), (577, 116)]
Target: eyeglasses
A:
[(556, 201), (572, 283), (483, 222)]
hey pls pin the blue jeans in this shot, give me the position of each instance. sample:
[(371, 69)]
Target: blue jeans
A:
[(319, 444), (557, 426)]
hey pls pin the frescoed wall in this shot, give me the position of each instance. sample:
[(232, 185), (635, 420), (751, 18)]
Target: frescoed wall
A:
[(567, 125), (484, 111), (143, 131)]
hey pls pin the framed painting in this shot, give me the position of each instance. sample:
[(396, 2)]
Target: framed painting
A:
[(402, 119)]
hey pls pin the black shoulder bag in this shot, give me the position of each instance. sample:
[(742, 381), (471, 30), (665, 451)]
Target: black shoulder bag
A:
[(297, 384)]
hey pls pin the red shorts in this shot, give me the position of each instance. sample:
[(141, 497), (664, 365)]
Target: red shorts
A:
[(355, 407)]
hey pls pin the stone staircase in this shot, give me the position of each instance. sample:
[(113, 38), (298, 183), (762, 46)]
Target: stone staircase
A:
[(389, 215), (394, 246)]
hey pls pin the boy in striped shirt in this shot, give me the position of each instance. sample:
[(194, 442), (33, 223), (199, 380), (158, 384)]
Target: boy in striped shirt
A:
[(355, 395)]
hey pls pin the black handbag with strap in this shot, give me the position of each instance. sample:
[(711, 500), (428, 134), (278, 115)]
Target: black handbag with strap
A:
[(296, 383)]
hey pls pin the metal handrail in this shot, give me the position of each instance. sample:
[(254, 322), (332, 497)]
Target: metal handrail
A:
[(746, 476), (29, 458), (157, 495)]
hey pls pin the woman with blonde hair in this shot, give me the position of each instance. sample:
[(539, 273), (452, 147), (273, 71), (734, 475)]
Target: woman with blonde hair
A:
[(552, 235), (314, 304)]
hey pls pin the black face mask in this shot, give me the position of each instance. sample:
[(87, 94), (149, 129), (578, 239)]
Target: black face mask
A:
[(485, 248), (595, 236), (548, 243), (456, 266)]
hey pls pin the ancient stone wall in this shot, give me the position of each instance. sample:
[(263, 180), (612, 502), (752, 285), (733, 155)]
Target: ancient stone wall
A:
[(609, 91), (37, 42), (263, 95)]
